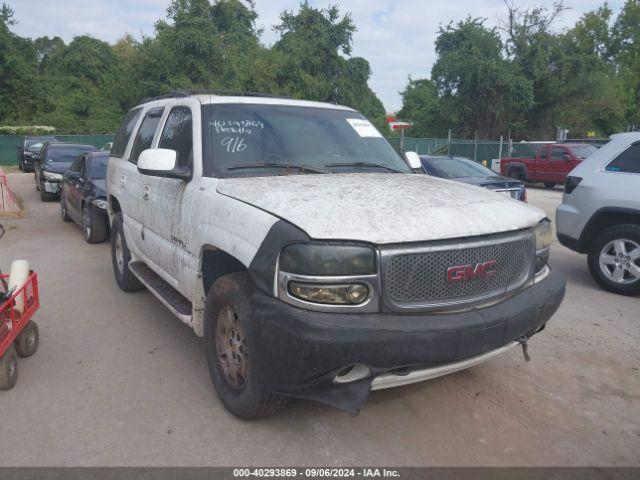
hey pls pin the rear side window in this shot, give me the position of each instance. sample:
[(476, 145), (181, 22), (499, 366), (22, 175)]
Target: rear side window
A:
[(124, 133), (178, 135), (145, 133), (628, 161)]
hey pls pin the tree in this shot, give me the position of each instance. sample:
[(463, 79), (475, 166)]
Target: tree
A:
[(487, 92), (424, 107)]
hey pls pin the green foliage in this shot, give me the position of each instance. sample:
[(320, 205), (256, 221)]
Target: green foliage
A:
[(26, 130), (584, 79), (88, 85)]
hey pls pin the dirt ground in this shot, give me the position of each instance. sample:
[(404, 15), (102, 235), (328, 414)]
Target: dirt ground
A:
[(118, 381)]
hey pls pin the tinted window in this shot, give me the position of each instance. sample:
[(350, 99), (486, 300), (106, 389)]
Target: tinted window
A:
[(77, 163), (97, 167), (558, 153), (239, 137), (448, 167), (583, 151), (178, 135), (145, 133), (122, 137), (66, 154), (628, 161)]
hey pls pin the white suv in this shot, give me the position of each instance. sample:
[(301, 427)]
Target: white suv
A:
[(312, 259), (600, 213)]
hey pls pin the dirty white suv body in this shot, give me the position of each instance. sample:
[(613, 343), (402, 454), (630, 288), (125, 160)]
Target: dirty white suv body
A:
[(311, 285)]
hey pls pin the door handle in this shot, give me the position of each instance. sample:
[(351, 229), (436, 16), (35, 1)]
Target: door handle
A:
[(123, 180), (146, 192)]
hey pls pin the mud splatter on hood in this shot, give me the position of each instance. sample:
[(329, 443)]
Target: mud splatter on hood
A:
[(382, 208)]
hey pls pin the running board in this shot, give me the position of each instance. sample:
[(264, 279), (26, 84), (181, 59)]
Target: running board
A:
[(169, 296)]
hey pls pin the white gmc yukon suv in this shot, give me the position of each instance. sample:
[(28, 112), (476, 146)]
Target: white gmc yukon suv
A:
[(310, 256)]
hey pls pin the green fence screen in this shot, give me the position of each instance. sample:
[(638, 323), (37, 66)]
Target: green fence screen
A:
[(9, 144)]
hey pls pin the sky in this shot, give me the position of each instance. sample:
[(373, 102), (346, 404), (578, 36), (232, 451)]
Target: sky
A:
[(396, 36)]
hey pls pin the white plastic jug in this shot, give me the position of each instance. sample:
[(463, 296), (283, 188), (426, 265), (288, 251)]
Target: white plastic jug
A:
[(17, 277)]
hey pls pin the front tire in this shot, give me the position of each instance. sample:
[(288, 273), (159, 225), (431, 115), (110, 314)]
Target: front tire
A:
[(8, 369), (230, 347), (614, 259), (120, 258), (27, 342), (94, 225)]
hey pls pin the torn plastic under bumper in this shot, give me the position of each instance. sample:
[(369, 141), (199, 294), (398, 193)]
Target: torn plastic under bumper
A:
[(303, 351)]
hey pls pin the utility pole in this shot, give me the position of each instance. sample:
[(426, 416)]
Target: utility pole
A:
[(449, 143)]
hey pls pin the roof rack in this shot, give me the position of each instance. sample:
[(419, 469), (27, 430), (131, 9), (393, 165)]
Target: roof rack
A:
[(231, 93)]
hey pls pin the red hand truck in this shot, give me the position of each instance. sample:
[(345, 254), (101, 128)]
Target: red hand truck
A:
[(19, 335)]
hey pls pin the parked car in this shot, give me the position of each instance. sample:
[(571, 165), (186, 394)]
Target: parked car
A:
[(313, 261), (56, 158), (83, 195), (29, 151), (600, 214), (464, 170), (551, 164)]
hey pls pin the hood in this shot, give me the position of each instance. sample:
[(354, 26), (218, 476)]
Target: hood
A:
[(491, 182), (382, 208), (56, 167)]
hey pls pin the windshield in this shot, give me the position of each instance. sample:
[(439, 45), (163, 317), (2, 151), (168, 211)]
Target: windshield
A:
[(97, 167), (456, 167), (66, 154), (39, 141), (253, 140), (583, 151), (34, 147)]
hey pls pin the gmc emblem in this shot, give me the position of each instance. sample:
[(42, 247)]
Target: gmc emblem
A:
[(465, 273)]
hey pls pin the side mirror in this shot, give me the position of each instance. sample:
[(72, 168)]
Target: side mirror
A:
[(567, 157), (160, 162), (413, 160)]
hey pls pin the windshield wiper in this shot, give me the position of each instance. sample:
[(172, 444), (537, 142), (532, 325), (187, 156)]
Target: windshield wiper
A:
[(287, 166), (362, 164)]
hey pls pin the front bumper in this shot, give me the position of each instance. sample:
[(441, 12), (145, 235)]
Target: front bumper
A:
[(301, 352), (27, 163), (51, 187)]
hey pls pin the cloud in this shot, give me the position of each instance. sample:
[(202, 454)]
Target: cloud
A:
[(397, 37)]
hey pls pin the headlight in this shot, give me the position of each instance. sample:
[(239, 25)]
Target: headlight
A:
[(328, 260), (544, 238), (544, 235), (101, 204), (344, 294), (54, 177), (332, 276)]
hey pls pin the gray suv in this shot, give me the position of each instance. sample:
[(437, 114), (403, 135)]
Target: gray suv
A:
[(600, 213)]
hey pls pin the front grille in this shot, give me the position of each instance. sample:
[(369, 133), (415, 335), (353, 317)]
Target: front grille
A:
[(418, 277)]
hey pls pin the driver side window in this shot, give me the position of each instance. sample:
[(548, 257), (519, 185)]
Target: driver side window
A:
[(178, 135), (558, 153), (77, 163)]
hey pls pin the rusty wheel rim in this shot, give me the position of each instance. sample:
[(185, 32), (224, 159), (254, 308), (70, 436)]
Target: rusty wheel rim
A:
[(231, 348)]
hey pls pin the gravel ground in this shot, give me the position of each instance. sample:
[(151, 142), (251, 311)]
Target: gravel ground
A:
[(118, 381)]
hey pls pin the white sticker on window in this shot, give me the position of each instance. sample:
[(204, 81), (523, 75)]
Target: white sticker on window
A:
[(363, 127)]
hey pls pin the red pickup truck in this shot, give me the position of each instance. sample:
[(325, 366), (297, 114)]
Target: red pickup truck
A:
[(550, 165)]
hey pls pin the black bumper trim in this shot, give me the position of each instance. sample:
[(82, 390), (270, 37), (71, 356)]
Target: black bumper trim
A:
[(302, 351), (570, 242)]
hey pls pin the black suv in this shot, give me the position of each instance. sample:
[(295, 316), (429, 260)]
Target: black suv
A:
[(29, 151), (56, 158), (83, 196)]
